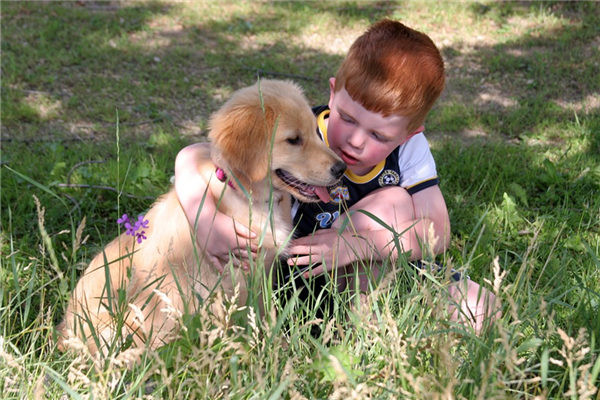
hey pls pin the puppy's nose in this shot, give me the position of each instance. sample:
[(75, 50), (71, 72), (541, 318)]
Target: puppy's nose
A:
[(338, 169)]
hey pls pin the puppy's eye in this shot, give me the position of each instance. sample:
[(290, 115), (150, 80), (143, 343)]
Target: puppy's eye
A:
[(294, 140)]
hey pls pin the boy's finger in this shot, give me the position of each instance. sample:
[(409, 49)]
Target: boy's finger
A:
[(298, 249), (304, 241), (238, 256), (243, 231), (244, 253), (299, 260), (241, 262), (317, 270), (216, 262)]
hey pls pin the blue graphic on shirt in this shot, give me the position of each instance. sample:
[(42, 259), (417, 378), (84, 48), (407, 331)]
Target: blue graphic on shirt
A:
[(325, 219)]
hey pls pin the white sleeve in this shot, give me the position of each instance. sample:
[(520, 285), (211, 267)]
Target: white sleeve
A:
[(415, 161)]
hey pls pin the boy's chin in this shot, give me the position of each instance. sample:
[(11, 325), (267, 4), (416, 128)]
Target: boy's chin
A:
[(359, 169)]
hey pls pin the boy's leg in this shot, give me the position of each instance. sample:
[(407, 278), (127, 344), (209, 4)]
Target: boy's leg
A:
[(477, 306), (470, 303)]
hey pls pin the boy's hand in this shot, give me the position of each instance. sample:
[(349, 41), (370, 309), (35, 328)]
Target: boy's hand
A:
[(228, 240), (327, 248)]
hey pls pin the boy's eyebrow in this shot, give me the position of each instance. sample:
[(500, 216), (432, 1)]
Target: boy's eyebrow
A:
[(345, 113)]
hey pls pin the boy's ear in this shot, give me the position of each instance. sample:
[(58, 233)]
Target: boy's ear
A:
[(418, 130), (331, 91)]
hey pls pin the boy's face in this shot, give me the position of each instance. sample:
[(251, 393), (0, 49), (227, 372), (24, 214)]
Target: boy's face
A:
[(360, 137)]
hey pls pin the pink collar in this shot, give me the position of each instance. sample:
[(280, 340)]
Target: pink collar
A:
[(222, 176)]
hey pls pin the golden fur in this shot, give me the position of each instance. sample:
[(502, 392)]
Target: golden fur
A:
[(168, 263)]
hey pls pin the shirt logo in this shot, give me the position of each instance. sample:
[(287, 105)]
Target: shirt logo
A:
[(389, 178), (339, 193)]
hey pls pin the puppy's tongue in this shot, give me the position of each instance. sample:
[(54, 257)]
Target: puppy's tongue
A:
[(323, 193)]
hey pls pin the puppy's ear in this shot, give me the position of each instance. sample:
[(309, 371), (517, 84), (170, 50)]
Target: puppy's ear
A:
[(241, 136)]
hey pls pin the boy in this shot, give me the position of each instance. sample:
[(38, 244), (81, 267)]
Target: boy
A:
[(378, 102)]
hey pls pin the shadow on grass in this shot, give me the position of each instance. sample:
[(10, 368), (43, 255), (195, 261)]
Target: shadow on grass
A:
[(530, 87), (507, 201), (68, 67)]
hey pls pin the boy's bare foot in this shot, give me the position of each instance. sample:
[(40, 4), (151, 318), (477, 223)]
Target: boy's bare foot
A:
[(473, 305)]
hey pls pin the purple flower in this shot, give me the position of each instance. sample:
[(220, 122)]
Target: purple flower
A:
[(132, 229), (129, 230), (141, 222), (123, 219), (140, 236)]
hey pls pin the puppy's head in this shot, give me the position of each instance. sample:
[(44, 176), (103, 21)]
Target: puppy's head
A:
[(269, 128), (239, 132)]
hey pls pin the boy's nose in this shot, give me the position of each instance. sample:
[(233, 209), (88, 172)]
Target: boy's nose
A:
[(356, 139)]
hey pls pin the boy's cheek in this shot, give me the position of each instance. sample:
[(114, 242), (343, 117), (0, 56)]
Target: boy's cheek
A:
[(333, 132)]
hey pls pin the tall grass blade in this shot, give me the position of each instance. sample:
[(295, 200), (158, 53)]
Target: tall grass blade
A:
[(64, 385), (544, 363), (38, 185), (280, 389), (594, 373)]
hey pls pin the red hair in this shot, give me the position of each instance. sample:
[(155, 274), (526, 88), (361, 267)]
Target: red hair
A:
[(392, 69)]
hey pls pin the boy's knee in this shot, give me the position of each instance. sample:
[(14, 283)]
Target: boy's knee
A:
[(387, 194), (390, 203)]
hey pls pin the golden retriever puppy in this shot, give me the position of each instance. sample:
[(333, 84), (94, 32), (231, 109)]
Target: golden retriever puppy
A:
[(263, 143)]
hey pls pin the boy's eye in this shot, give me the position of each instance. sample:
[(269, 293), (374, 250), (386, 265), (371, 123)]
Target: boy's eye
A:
[(294, 140), (377, 136), (346, 118)]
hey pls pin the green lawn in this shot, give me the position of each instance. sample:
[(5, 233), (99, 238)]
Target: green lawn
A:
[(98, 97)]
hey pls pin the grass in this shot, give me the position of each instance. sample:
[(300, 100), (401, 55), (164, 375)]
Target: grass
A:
[(517, 144)]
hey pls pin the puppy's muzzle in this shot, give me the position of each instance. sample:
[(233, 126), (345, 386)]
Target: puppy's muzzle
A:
[(338, 169)]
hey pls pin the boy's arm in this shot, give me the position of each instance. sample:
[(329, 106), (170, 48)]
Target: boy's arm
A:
[(216, 233), (430, 209), (421, 220)]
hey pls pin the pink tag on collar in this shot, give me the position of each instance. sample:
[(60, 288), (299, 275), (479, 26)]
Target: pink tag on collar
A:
[(222, 176)]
